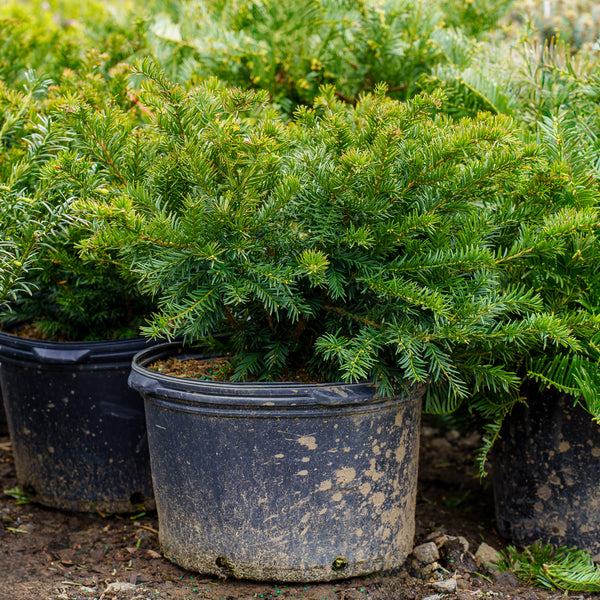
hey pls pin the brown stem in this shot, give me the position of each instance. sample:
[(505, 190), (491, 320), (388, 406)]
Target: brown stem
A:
[(143, 108), (232, 321), (345, 98), (398, 88), (299, 329), (270, 320)]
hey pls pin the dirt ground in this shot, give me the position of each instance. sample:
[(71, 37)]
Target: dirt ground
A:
[(47, 554)]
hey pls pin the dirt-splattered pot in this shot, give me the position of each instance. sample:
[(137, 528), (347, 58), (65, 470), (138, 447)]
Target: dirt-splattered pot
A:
[(546, 473), (280, 481), (78, 431)]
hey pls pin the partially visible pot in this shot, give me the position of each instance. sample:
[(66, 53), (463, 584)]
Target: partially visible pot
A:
[(546, 473), (3, 423), (78, 432), (280, 481)]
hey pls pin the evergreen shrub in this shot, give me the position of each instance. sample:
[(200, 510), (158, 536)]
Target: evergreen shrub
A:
[(363, 242), (553, 93), (49, 157)]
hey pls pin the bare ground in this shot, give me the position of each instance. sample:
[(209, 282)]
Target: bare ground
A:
[(47, 554)]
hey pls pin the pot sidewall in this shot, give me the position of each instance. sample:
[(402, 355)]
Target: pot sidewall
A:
[(280, 481), (545, 473), (78, 431)]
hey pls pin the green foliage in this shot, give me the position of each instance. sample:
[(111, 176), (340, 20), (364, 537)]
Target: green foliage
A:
[(554, 94), (18, 494), (562, 568), (24, 46), (367, 242), (25, 225), (57, 38), (476, 16), (292, 49), (50, 160), (26, 221)]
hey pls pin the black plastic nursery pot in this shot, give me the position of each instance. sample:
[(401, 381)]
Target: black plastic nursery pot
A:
[(546, 473), (78, 431), (3, 422), (275, 481)]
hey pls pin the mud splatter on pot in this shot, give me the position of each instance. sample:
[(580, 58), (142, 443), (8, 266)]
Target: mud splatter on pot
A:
[(546, 473), (78, 431), (274, 481)]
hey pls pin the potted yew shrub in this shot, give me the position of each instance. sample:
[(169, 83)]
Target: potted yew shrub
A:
[(25, 224), (546, 461), (77, 430), (353, 245), (544, 435)]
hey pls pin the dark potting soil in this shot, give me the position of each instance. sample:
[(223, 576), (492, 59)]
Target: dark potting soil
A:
[(31, 331), (34, 331), (219, 369), (48, 554)]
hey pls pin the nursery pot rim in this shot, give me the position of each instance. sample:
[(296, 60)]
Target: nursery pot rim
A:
[(72, 343), (14, 347), (238, 395)]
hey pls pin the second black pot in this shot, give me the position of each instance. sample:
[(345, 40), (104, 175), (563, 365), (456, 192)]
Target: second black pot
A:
[(546, 473), (78, 432)]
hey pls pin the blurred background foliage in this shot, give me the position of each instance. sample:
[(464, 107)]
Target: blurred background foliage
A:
[(292, 49)]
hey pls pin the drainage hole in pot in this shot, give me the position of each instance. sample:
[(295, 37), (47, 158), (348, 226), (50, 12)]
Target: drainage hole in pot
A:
[(339, 564), (136, 498), (225, 566)]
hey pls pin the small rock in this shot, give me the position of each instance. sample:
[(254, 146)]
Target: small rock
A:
[(596, 558), (431, 568), (426, 553), (434, 597), (118, 587), (438, 536), (507, 579), (486, 555), (445, 587)]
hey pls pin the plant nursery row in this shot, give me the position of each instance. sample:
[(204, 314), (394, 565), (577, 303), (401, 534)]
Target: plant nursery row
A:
[(245, 244)]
